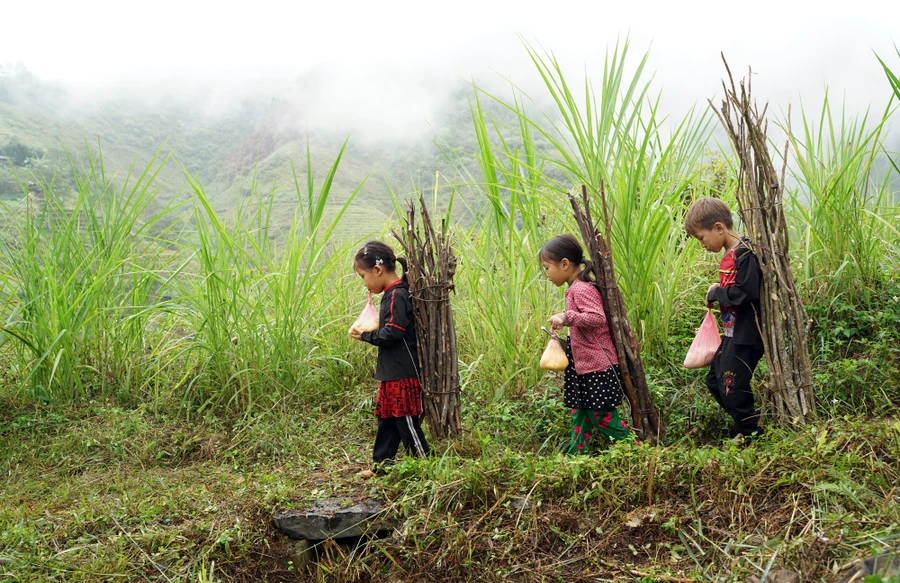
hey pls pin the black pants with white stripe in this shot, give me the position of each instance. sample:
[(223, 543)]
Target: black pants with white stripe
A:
[(392, 431)]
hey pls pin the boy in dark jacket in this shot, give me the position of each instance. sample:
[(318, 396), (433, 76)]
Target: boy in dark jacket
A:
[(737, 293)]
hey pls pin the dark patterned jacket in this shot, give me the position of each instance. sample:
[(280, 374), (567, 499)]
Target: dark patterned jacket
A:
[(738, 294), (396, 336)]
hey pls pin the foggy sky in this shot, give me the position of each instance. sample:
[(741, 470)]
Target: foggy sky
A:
[(384, 68)]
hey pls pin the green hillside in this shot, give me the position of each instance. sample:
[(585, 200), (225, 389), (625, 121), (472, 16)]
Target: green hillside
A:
[(256, 147)]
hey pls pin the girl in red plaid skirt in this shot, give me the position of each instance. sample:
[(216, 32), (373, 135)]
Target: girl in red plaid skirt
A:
[(399, 403)]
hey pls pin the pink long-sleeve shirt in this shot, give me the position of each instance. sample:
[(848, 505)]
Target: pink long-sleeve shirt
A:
[(589, 336)]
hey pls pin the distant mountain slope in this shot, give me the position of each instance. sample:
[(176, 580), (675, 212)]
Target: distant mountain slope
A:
[(224, 151)]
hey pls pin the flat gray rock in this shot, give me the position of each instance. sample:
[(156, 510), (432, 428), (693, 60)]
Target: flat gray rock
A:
[(332, 518)]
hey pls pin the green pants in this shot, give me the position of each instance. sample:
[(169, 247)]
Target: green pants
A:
[(586, 422)]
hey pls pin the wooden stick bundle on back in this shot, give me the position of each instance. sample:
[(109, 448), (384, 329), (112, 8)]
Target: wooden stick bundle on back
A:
[(644, 417), (783, 322), (432, 265)]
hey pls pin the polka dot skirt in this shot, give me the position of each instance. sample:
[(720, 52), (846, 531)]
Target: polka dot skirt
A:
[(600, 390)]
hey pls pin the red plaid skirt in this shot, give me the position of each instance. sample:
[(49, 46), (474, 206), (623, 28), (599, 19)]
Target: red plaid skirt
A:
[(400, 398)]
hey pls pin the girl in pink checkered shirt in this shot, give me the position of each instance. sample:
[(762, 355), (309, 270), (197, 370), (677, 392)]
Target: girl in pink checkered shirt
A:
[(592, 386)]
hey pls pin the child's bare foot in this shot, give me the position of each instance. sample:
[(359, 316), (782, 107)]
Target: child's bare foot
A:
[(365, 474)]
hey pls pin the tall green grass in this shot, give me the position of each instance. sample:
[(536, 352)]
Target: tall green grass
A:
[(894, 161), (101, 299), (893, 80), (80, 279), (257, 302), (108, 292), (615, 136), (844, 207), (505, 299)]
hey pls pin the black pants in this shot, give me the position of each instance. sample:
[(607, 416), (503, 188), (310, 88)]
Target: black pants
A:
[(393, 430), (728, 382)]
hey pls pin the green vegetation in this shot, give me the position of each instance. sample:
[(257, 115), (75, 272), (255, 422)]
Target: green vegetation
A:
[(254, 140), (101, 492), (842, 230), (19, 154), (175, 364)]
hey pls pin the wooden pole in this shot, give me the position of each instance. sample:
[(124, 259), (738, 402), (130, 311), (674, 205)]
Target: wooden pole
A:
[(432, 266), (644, 417), (783, 321)]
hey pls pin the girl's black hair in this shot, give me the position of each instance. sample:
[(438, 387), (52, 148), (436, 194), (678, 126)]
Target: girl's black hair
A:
[(567, 247), (377, 253)]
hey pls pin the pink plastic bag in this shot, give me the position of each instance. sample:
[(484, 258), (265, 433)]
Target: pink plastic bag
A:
[(705, 344), (368, 320)]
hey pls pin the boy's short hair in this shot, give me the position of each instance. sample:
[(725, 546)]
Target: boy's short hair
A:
[(706, 212)]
